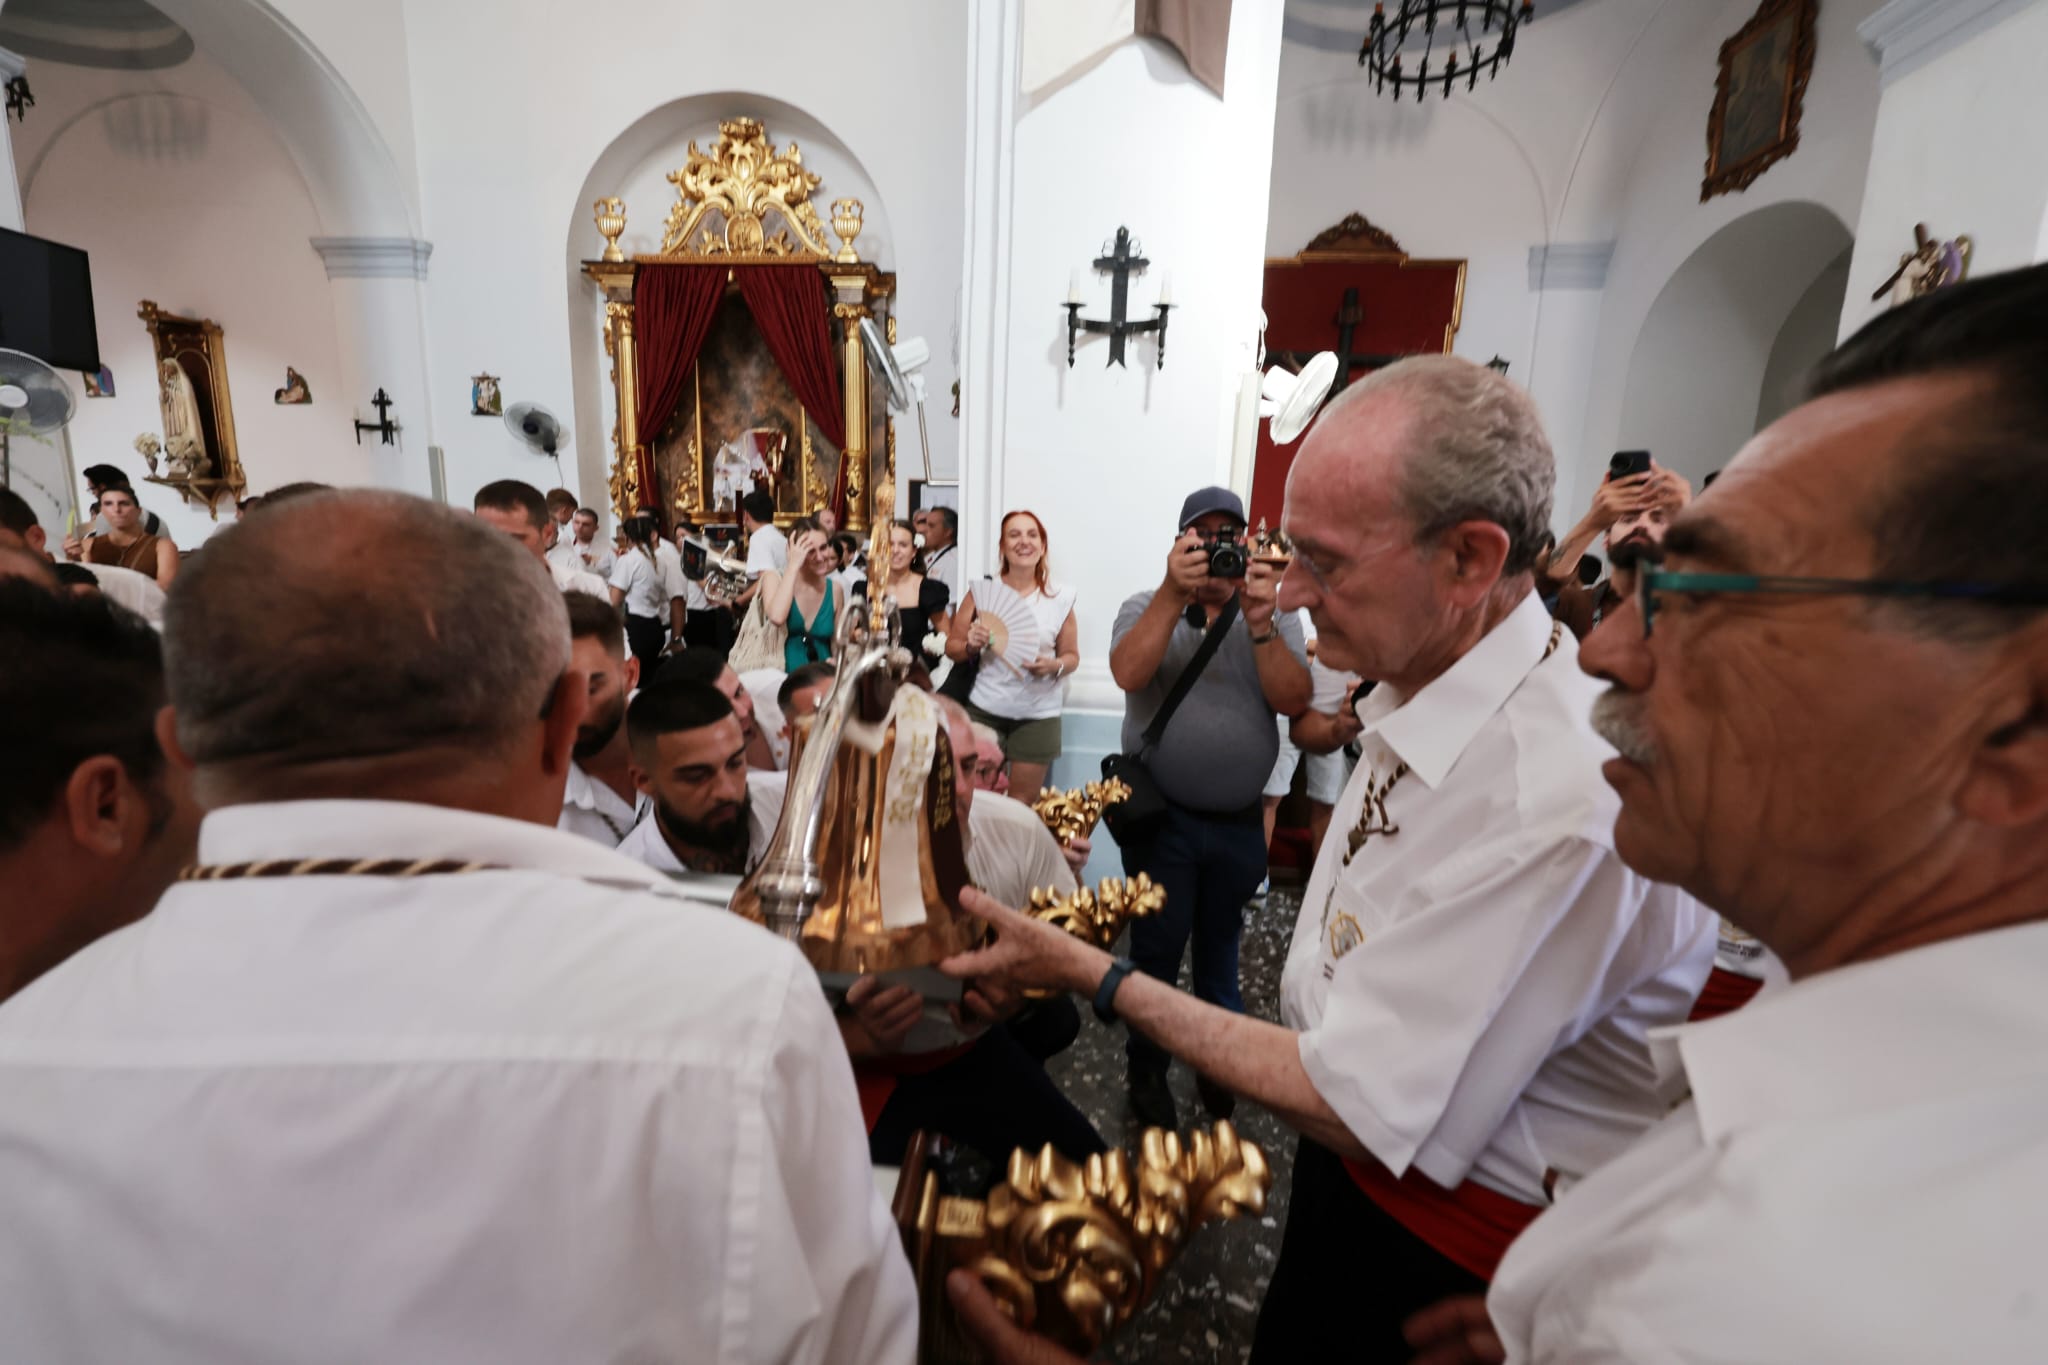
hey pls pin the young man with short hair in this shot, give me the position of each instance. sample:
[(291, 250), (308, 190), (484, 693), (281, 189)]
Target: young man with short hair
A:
[(711, 813), (600, 801), (519, 511)]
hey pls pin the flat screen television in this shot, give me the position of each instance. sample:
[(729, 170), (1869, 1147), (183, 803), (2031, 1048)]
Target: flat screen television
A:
[(46, 302)]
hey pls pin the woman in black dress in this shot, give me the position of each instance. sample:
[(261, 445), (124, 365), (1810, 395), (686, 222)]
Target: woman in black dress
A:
[(922, 602)]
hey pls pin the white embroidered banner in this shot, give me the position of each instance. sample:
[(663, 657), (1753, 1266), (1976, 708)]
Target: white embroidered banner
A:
[(916, 719)]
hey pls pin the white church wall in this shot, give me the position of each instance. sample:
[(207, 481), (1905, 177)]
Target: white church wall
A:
[(1697, 373), (506, 141), (1958, 146), (1660, 222), (175, 184), (1808, 335), (1104, 454)]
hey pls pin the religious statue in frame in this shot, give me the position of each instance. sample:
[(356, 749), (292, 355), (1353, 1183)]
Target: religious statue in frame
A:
[(200, 458), (1759, 94)]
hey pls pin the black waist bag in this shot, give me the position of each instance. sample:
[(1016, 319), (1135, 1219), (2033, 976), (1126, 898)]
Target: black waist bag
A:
[(1138, 816)]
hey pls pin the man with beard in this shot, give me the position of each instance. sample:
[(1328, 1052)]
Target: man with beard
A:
[(600, 800), (712, 814), (1632, 512)]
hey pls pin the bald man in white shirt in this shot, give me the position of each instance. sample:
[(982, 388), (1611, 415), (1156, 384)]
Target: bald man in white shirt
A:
[(1474, 972), (400, 1072)]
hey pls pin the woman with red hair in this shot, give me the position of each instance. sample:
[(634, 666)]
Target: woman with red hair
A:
[(1021, 702)]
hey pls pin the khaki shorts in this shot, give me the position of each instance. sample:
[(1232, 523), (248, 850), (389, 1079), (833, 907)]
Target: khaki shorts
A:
[(1024, 741)]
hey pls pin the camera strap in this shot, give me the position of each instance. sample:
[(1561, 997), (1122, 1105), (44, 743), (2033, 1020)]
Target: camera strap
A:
[(1185, 683)]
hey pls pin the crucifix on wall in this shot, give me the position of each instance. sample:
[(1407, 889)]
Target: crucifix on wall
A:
[(1119, 261), (1350, 314)]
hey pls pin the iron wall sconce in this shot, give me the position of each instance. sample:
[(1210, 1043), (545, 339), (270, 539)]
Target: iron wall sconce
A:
[(1120, 261), (383, 426), (19, 99)]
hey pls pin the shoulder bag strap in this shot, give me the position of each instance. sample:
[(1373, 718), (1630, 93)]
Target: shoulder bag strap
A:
[(1211, 642)]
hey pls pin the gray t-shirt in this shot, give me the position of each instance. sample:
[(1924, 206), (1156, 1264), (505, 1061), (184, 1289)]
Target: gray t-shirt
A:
[(1220, 746)]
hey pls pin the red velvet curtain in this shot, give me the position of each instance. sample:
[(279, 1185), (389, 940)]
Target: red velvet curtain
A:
[(673, 306), (794, 312)]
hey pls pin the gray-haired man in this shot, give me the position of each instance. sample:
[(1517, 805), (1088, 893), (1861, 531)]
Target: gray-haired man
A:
[(1474, 971), (401, 1052)]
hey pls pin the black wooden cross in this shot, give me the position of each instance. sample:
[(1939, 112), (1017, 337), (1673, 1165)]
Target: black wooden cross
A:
[(1120, 263), (1350, 313), (383, 426)]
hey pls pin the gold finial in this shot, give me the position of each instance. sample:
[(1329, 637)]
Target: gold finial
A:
[(1098, 916), (846, 221), (611, 221), (1071, 815)]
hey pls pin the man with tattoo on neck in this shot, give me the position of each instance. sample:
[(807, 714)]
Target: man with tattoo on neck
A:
[(712, 814)]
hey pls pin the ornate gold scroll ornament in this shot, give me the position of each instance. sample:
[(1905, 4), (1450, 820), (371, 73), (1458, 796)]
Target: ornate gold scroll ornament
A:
[(1073, 814), (745, 179)]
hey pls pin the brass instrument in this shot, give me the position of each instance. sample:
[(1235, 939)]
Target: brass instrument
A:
[(724, 577), (1071, 1251), (1072, 815)]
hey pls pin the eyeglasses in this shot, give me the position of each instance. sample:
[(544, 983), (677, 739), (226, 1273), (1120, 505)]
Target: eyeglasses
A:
[(1650, 581)]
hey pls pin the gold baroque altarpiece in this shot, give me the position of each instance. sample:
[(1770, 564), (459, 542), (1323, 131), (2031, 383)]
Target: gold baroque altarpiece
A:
[(744, 202)]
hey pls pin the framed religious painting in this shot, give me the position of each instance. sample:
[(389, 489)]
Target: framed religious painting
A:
[(1754, 123)]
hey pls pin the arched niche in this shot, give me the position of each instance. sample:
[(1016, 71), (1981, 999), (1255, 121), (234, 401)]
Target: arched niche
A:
[(635, 166), (1698, 368)]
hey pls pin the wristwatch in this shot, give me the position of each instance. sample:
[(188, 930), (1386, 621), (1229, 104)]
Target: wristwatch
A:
[(1272, 634), (1106, 992)]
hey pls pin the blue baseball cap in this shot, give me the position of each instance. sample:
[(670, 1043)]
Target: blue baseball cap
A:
[(1204, 501)]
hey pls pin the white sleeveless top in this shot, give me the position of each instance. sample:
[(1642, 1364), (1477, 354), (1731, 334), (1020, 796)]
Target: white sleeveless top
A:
[(1001, 692)]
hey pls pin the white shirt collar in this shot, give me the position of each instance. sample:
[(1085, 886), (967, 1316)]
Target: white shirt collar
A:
[(587, 793), (404, 829), (1952, 1018), (1430, 730)]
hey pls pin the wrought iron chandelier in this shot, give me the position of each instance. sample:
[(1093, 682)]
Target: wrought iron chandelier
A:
[(1459, 24)]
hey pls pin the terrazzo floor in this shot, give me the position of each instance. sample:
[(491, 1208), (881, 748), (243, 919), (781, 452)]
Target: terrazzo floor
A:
[(1205, 1309)]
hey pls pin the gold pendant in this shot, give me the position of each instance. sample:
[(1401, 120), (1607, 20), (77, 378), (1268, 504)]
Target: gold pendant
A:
[(1345, 934)]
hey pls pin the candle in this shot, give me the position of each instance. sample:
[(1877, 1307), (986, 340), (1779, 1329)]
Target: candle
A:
[(1166, 289), (1074, 287)]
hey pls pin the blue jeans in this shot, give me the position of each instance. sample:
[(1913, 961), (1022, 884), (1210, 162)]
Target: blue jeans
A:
[(1209, 866)]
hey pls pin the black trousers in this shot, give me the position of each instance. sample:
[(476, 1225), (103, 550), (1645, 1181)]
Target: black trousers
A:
[(1349, 1274), (646, 635), (995, 1098)]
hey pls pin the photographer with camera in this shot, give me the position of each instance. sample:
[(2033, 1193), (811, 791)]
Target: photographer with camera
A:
[(1634, 503), (1209, 762)]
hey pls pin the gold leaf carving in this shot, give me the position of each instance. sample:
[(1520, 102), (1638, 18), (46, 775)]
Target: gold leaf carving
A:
[(744, 179)]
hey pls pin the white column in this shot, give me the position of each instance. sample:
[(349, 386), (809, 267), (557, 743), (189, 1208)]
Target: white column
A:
[(379, 319), (1105, 456), (11, 65)]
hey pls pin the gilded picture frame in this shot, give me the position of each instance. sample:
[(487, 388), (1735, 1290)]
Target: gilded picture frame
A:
[(1759, 94), (197, 347)]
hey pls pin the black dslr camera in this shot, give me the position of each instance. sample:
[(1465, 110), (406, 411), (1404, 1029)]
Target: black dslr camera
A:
[(1228, 556)]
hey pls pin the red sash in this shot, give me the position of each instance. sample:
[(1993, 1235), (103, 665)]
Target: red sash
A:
[(875, 1077), (1725, 993), (1470, 1226)]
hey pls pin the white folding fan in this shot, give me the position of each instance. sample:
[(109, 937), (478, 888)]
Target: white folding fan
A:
[(1012, 629)]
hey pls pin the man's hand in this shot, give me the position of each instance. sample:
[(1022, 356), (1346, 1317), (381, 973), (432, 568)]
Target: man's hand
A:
[(1002, 1341), (1027, 953), (1187, 567), (1454, 1332), (1077, 853), (984, 1003), (1618, 498), (1668, 488), (886, 1014), (1259, 597)]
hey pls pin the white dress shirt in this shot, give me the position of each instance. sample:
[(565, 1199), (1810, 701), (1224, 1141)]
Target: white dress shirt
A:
[(136, 591), (530, 1115), (592, 809), (594, 555), (638, 578), (1475, 992), (763, 686), (1859, 1176), (564, 549), (1010, 852), (568, 579), (768, 548), (943, 566), (765, 791)]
